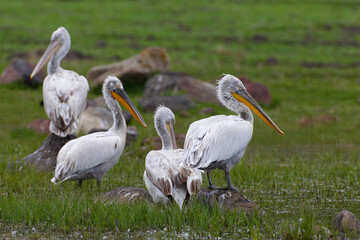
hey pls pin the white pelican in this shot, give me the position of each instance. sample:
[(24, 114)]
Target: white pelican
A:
[(91, 156), (64, 91), (164, 176), (220, 141)]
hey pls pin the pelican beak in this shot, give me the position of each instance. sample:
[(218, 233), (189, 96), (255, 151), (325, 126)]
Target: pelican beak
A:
[(121, 96), (243, 96), (170, 128), (52, 48)]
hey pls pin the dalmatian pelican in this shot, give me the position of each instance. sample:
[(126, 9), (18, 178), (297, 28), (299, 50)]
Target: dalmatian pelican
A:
[(219, 142), (164, 176), (64, 91), (92, 155)]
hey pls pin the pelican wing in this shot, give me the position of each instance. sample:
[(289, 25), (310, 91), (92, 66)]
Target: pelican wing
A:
[(164, 172), (215, 139), (82, 154), (64, 94)]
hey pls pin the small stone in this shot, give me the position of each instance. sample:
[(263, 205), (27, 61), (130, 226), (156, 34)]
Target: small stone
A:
[(227, 199), (127, 194), (40, 126), (346, 221)]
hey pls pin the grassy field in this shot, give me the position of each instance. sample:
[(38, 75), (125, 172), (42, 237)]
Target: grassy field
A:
[(307, 53)]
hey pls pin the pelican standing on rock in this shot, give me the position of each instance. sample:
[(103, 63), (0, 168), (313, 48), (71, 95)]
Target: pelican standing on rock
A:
[(91, 156), (219, 142), (64, 91), (165, 177)]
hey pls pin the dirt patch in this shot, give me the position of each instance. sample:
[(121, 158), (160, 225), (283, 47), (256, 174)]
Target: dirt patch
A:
[(259, 38), (321, 119), (329, 65)]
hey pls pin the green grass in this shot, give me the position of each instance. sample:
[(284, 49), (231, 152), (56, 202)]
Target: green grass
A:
[(300, 179)]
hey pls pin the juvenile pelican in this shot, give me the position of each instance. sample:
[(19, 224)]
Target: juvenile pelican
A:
[(164, 175), (220, 141), (91, 156), (64, 91)]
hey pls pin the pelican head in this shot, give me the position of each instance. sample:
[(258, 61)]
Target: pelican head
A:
[(164, 123), (113, 86), (58, 48), (231, 92)]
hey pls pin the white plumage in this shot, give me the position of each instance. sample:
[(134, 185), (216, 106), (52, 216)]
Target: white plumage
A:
[(91, 156), (219, 142), (164, 175), (64, 91)]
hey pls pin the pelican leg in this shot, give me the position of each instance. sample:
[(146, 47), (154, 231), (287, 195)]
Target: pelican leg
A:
[(229, 186), (98, 183), (79, 183), (211, 186)]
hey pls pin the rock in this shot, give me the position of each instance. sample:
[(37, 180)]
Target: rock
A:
[(150, 60), (163, 83), (345, 221), (44, 158), (40, 125), (19, 69), (155, 142), (97, 118), (257, 90), (227, 199), (131, 135), (127, 194), (175, 103), (166, 83)]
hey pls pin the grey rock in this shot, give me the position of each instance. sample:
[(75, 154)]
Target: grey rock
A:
[(175, 103), (141, 66), (97, 118), (171, 83), (346, 221), (44, 158), (227, 199), (127, 194)]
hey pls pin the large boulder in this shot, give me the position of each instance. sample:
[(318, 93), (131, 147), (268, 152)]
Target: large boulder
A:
[(140, 66), (20, 70), (257, 90), (175, 103), (171, 83)]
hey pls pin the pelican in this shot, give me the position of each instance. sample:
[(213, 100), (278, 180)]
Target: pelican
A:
[(91, 156), (219, 142), (64, 91), (164, 176)]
